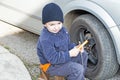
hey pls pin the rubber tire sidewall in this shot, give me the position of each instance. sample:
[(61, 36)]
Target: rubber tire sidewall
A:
[(107, 64)]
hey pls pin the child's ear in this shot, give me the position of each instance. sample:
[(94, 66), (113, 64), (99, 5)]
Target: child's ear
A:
[(45, 25)]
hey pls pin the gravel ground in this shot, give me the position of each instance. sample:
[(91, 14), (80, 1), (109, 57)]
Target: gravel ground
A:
[(23, 44)]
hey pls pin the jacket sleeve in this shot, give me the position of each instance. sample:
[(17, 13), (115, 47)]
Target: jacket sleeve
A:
[(53, 56), (40, 53)]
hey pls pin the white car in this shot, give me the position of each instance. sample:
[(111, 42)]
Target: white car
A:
[(97, 20)]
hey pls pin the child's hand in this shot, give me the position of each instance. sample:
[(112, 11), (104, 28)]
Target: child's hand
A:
[(74, 52), (81, 49)]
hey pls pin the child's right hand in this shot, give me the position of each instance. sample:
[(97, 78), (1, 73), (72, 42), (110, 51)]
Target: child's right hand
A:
[(74, 52)]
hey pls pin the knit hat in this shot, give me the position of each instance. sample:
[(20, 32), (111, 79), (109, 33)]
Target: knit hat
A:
[(52, 12)]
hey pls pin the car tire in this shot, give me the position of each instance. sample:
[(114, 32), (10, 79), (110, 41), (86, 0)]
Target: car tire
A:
[(104, 64)]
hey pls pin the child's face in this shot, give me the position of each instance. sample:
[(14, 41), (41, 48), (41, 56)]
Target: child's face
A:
[(54, 26)]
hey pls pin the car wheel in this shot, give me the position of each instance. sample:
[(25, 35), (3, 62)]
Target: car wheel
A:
[(102, 62)]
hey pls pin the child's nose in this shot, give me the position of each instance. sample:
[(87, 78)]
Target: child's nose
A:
[(55, 27)]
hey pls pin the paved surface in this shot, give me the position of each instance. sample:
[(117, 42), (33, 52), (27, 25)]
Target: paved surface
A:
[(11, 67)]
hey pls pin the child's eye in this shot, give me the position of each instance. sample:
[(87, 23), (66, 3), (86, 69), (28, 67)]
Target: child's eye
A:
[(51, 24), (59, 23)]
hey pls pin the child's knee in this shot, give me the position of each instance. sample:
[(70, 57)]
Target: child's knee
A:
[(81, 69), (77, 72), (78, 68)]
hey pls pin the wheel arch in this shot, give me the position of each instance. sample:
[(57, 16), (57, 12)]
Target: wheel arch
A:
[(87, 7)]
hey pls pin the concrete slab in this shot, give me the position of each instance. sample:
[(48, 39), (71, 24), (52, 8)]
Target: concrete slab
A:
[(11, 67)]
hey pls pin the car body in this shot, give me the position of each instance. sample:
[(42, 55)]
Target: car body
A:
[(103, 15)]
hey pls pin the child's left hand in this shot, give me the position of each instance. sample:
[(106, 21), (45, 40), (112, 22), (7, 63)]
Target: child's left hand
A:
[(81, 49)]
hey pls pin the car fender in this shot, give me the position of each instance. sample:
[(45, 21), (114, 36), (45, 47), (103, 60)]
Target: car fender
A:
[(102, 15)]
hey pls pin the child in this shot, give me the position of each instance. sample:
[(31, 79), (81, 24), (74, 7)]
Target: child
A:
[(54, 47)]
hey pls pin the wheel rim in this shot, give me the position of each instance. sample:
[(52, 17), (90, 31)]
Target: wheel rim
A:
[(84, 34)]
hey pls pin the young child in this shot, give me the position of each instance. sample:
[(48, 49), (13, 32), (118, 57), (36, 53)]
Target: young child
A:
[(54, 47)]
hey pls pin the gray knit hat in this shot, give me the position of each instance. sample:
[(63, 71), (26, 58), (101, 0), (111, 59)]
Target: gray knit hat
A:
[(52, 12)]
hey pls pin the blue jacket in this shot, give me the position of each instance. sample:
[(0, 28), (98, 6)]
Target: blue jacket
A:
[(54, 47)]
